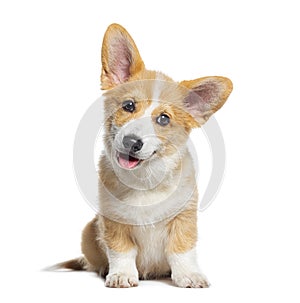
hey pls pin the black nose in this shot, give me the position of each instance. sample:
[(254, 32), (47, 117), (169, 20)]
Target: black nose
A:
[(132, 143)]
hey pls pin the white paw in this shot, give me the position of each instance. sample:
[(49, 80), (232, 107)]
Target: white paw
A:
[(190, 280), (121, 280)]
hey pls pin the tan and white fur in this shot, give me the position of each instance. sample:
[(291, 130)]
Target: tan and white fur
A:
[(147, 224)]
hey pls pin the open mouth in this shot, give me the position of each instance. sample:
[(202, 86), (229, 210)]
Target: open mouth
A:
[(126, 161)]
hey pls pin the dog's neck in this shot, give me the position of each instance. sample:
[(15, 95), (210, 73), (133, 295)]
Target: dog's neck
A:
[(126, 198)]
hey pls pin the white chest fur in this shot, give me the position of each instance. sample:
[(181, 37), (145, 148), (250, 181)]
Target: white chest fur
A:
[(151, 243)]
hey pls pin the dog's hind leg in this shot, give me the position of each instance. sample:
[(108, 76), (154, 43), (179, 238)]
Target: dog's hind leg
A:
[(93, 259), (94, 255)]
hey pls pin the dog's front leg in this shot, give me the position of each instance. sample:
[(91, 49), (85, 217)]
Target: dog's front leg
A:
[(121, 255), (122, 269), (181, 251), (185, 270)]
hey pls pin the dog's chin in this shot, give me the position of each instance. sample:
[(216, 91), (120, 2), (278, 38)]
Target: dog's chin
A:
[(129, 162)]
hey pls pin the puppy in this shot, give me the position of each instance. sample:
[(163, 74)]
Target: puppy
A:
[(147, 222)]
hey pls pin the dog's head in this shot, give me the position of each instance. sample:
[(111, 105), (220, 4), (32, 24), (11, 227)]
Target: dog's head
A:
[(148, 115)]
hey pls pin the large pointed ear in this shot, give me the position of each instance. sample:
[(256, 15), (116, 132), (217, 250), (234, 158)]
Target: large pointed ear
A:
[(205, 96), (120, 57)]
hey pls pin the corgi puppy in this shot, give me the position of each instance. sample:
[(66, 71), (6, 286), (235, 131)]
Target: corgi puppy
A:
[(146, 227)]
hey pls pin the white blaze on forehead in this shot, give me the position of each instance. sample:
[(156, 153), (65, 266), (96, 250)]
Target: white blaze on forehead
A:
[(157, 87), (150, 109)]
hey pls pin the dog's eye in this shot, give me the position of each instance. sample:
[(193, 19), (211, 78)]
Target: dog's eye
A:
[(128, 106), (163, 120)]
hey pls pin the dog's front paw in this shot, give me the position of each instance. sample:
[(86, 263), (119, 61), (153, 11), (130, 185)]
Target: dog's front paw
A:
[(121, 280), (190, 280)]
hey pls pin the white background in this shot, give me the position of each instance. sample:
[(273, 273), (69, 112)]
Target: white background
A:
[(49, 75)]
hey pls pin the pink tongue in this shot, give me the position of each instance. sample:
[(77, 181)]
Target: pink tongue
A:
[(128, 163)]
